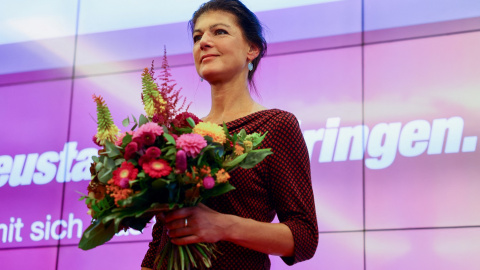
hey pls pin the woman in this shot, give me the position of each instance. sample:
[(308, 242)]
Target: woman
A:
[(228, 45)]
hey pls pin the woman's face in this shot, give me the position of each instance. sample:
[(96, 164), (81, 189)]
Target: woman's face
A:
[(220, 50)]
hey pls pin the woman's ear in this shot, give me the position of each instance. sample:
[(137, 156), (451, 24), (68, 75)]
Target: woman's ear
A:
[(253, 52)]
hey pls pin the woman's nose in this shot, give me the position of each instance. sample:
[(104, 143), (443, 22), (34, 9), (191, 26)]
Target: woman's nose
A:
[(205, 41)]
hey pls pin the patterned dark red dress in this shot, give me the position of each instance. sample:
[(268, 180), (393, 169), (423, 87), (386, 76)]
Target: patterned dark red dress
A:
[(280, 184)]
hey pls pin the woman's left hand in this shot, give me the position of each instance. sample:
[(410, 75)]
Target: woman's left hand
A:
[(196, 224)]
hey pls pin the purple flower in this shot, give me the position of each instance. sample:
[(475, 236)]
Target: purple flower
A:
[(181, 161)]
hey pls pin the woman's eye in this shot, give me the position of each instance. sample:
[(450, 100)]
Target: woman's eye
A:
[(196, 38), (220, 32)]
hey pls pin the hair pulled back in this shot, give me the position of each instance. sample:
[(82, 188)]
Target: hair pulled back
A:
[(251, 27)]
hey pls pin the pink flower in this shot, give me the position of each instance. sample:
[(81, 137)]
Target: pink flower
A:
[(149, 127), (147, 133), (208, 182), (192, 144), (130, 150)]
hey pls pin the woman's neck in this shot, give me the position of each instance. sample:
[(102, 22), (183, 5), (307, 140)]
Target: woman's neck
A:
[(231, 101)]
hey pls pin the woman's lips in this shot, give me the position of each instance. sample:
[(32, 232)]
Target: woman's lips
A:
[(208, 56)]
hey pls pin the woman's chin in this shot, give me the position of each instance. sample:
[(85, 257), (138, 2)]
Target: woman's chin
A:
[(211, 76)]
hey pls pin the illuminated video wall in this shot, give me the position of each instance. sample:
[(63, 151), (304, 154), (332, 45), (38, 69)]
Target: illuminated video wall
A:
[(387, 93)]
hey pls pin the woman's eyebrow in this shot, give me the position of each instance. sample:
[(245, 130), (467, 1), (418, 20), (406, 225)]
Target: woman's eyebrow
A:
[(213, 26)]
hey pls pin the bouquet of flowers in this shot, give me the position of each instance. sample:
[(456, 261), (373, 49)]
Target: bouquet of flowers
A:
[(169, 159)]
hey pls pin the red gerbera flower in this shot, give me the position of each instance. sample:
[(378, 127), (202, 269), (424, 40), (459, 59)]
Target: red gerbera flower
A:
[(125, 173), (157, 168)]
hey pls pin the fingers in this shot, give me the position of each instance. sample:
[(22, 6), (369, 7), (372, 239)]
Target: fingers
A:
[(178, 214), (191, 239), (192, 225)]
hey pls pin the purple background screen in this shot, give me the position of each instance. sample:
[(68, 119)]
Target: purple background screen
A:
[(386, 92)]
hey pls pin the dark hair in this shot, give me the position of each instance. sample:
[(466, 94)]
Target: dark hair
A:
[(251, 27)]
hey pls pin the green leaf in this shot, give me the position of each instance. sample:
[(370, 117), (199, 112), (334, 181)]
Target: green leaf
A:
[(169, 138), (191, 122), (225, 130), (138, 199), (208, 139), (111, 216), (143, 120), (235, 161), (165, 129), (258, 140), (159, 184), (171, 152), (184, 130), (127, 139), (134, 119), (110, 163), (217, 190), (119, 161), (111, 149), (95, 159), (126, 122), (99, 166), (242, 134), (104, 175), (134, 162), (96, 234), (254, 157)]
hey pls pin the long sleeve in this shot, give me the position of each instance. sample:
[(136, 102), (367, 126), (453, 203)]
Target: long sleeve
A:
[(291, 186)]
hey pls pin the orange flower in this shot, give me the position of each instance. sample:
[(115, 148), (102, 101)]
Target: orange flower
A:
[(117, 192), (222, 176), (238, 150), (205, 170)]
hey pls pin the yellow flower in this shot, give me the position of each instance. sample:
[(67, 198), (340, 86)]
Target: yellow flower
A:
[(211, 129), (106, 129), (248, 146), (107, 134), (151, 97)]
